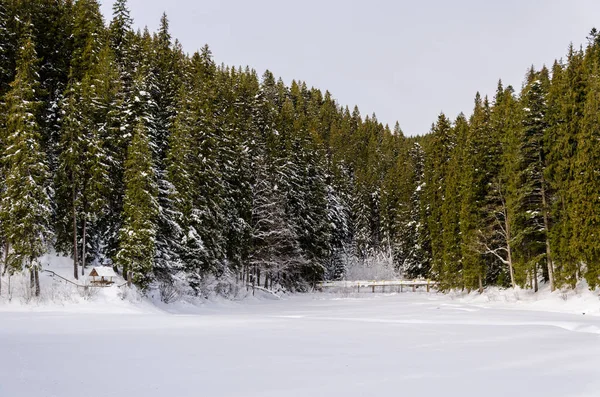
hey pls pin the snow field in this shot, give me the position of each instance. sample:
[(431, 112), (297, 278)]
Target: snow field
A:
[(310, 345)]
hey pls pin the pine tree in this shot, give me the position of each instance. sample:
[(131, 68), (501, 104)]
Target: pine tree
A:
[(195, 172), (8, 38), (179, 174), (165, 68), (82, 178), (394, 189), (69, 176), (120, 38), (566, 99), (243, 99), (25, 205), (107, 104), (452, 253), (275, 249), (88, 28), (124, 67), (306, 189), (140, 210), (436, 164), (586, 169), (82, 167), (535, 245), (502, 234), (207, 213), (415, 240)]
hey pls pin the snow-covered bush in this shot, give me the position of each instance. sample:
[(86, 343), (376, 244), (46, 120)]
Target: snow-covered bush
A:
[(168, 291), (88, 292), (130, 294)]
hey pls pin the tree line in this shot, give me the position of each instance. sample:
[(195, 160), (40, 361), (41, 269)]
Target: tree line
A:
[(118, 148)]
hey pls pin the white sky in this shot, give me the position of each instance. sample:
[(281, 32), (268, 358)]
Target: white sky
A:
[(403, 60)]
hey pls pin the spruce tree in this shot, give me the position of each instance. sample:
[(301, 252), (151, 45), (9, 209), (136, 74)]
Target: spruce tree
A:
[(535, 246), (88, 28), (415, 239), (25, 205), (453, 187), (120, 38), (586, 185), (8, 40), (502, 233), (179, 174), (566, 99), (436, 169), (275, 249), (165, 69), (140, 210)]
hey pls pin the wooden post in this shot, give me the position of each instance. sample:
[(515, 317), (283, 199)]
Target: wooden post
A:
[(401, 285), (414, 288), (373, 286), (427, 285), (129, 278)]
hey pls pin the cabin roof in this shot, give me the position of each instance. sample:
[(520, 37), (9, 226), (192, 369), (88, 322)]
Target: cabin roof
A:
[(103, 271)]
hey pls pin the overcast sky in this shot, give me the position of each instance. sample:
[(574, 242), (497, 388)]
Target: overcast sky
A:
[(403, 60)]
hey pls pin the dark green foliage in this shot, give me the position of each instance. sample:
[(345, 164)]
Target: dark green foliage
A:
[(172, 167), (140, 210), (25, 203)]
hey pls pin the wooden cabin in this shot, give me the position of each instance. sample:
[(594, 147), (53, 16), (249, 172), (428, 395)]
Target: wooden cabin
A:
[(102, 275)]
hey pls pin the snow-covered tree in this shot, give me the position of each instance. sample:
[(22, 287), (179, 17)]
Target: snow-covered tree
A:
[(25, 205), (140, 210)]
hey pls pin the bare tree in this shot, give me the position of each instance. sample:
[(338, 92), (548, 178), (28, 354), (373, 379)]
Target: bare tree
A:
[(500, 237)]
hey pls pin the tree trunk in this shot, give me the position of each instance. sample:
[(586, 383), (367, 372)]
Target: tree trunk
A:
[(480, 284), (254, 279), (509, 252), (266, 280), (530, 279), (36, 276), (75, 273), (6, 249), (9, 292), (535, 278), (83, 247), (5, 264)]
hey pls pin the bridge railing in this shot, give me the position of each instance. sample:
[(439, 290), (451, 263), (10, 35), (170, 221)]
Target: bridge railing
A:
[(378, 285)]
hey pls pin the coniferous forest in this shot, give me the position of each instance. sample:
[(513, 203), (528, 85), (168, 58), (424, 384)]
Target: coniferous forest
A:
[(119, 148)]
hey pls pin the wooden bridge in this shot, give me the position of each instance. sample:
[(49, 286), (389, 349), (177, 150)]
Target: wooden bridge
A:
[(378, 285)]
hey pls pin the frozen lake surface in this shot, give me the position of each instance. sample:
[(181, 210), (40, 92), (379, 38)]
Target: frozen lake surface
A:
[(314, 345)]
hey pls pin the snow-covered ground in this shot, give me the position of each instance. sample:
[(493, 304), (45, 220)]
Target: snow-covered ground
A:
[(412, 344)]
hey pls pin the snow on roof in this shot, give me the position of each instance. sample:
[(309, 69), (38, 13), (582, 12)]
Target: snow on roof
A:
[(103, 271)]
